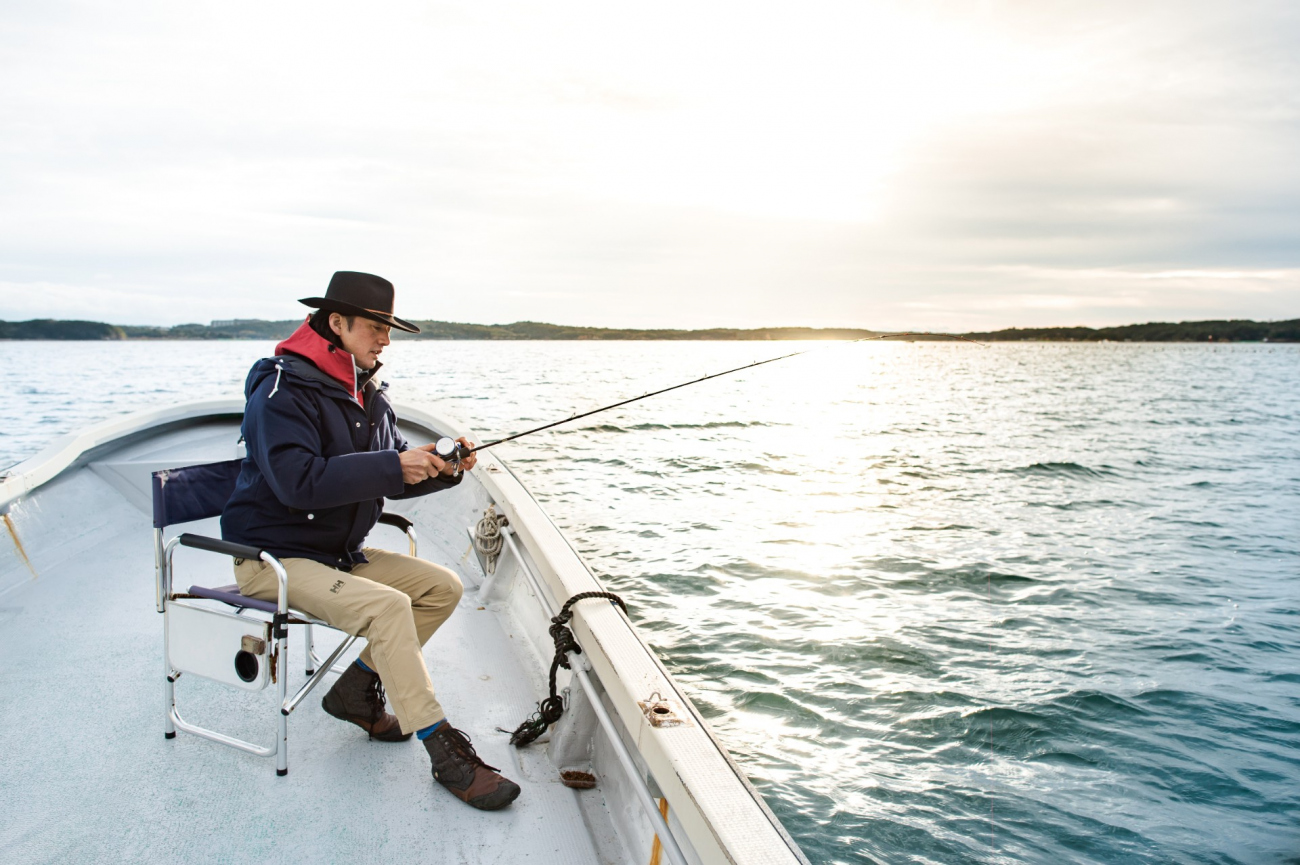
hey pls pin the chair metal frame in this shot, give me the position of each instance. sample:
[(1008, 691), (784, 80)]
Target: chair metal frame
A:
[(284, 615)]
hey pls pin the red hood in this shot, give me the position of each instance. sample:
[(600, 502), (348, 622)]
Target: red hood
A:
[(329, 359)]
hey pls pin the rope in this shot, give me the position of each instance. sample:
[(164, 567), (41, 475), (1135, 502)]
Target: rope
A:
[(279, 371), (487, 537), (550, 709)]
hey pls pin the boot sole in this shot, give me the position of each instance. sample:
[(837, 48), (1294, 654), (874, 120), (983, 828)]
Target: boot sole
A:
[(493, 801), (493, 806)]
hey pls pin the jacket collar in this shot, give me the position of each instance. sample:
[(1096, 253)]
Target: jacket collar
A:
[(329, 359)]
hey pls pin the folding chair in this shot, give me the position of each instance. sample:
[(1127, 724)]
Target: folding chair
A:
[(245, 643)]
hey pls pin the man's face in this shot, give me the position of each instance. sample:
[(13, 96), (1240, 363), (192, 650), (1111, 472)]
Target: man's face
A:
[(364, 340)]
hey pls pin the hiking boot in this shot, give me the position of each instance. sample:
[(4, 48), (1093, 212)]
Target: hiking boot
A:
[(358, 696), (457, 767)]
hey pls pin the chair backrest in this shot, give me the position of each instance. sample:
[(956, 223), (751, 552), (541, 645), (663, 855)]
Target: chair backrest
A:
[(193, 492)]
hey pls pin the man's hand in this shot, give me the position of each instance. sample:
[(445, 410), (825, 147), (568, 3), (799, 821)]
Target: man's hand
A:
[(466, 464), (419, 463)]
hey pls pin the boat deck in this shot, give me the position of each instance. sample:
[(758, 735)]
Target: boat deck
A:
[(88, 773)]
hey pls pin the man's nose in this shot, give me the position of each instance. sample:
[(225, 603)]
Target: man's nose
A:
[(384, 339)]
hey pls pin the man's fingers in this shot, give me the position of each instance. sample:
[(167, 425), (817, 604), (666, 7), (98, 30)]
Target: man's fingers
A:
[(427, 448)]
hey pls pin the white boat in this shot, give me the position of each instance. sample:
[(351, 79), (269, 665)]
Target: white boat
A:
[(89, 774)]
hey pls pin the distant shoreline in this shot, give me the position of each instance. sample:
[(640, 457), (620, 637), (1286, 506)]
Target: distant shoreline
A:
[(1235, 330)]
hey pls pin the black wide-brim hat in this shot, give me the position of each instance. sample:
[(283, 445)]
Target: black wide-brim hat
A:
[(363, 294)]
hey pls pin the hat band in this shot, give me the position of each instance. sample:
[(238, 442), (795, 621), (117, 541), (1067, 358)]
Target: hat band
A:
[(366, 308)]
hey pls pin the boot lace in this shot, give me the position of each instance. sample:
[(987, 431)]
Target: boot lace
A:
[(375, 698), (459, 744)]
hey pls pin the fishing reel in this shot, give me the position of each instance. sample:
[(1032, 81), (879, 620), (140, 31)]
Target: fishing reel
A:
[(451, 451)]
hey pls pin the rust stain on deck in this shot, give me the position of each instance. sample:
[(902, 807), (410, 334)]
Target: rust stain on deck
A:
[(18, 544)]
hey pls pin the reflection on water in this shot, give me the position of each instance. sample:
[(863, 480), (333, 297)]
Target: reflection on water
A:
[(1030, 603)]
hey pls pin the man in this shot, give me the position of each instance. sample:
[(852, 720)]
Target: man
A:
[(323, 453)]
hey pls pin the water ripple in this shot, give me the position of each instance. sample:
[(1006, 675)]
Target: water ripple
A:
[(1032, 603)]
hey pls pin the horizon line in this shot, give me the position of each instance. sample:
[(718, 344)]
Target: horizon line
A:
[(236, 322)]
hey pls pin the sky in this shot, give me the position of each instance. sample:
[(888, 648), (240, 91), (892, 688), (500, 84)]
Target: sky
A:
[(895, 165)]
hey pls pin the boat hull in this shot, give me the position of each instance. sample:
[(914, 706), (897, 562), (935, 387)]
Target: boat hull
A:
[(84, 723)]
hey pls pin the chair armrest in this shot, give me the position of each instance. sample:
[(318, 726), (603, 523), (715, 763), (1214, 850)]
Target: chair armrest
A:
[(400, 522), (396, 520), (239, 551), (212, 545)]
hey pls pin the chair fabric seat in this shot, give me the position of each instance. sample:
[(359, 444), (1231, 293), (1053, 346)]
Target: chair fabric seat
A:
[(230, 595)]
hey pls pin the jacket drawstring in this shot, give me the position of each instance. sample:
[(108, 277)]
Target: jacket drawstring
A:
[(278, 371)]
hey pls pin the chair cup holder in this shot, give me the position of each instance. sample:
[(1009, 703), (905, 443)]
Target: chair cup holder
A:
[(218, 645), (246, 666)]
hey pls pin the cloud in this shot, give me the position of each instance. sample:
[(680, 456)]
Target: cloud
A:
[(890, 165)]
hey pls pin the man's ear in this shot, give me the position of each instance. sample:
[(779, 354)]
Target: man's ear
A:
[(336, 323)]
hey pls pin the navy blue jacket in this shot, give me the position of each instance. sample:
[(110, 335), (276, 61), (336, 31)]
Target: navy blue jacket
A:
[(319, 465)]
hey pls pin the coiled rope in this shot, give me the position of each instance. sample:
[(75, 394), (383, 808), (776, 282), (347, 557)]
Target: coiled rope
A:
[(488, 539), (550, 709)]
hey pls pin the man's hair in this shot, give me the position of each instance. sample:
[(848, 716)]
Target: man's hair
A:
[(320, 322)]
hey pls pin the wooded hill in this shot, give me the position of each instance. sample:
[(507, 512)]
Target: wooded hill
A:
[(1236, 330)]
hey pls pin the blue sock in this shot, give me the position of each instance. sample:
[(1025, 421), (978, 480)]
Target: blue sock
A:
[(428, 731), (363, 666)]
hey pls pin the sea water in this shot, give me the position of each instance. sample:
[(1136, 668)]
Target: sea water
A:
[(943, 603)]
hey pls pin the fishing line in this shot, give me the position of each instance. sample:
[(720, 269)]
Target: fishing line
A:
[(447, 449)]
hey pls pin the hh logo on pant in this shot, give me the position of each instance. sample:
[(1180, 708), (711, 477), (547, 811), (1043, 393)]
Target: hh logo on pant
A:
[(338, 584)]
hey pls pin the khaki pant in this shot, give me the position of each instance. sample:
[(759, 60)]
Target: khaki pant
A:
[(396, 602)]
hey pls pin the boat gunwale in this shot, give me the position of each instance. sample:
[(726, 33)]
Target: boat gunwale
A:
[(76, 448)]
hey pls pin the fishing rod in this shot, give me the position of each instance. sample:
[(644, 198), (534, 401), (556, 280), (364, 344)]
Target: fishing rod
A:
[(451, 451)]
